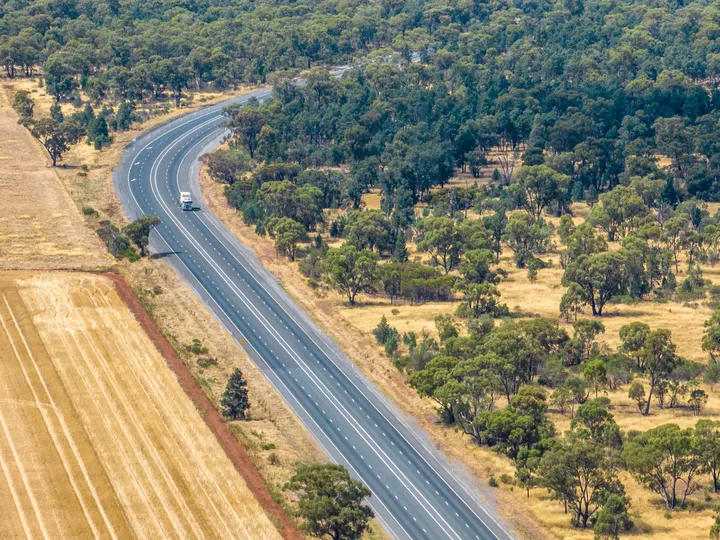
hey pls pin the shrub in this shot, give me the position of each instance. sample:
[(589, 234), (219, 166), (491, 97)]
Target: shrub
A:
[(207, 362), (391, 344), (196, 347), (493, 483), (387, 336)]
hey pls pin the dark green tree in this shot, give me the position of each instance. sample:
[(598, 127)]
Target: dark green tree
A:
[(124, 116), (601, 277), (525, 237), (659, 359), (246, 124), (441, 238), (576, 471), (593, 417), (288, 234), (612, 519), (665, 460), (351, 271), (234, 401), (330, 503), (139, 231), (400, 252)]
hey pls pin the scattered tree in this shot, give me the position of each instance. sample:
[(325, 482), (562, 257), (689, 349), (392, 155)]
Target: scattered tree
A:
[(24, 105), (139, 231), (288, 234), (576, 472), (665, 460), (56, 137), (351, 271), (330, 502), (234, 401)]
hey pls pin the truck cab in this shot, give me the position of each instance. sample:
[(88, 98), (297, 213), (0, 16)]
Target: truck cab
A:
[(185, 200)]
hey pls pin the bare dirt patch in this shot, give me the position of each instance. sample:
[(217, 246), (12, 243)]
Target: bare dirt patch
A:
[(99, 437)]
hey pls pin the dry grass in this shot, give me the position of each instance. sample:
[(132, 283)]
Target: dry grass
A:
[(40, 226), (99, 437), (183, 317), (538, 515), (175, 309), (341, 324), (273, 436)]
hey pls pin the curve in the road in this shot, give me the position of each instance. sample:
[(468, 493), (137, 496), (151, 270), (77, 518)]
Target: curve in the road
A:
[(415, 493)]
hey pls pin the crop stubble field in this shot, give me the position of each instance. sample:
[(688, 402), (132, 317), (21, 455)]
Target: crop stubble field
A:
[(97, 438), (40, 226)]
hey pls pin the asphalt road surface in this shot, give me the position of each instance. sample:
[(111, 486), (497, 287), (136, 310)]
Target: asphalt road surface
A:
[(415, 493)]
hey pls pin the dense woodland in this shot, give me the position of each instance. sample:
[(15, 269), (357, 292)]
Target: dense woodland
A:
[(612, 103)]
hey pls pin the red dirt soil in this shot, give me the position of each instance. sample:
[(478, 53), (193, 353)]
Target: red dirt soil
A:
[(233, 449)]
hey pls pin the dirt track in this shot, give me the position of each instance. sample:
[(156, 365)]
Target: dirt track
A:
[(97, 438)]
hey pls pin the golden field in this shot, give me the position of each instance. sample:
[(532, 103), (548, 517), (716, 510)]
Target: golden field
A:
[(99, 439), (43, 229), (40, 226)]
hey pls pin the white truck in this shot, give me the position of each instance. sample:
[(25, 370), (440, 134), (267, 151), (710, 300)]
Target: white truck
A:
[(185, 200)]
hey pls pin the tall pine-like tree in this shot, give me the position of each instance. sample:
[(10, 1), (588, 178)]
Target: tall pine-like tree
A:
[(124, 116), (235, 398), (400, 253)]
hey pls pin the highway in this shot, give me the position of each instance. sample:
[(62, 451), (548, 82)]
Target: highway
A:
[(415, 493)]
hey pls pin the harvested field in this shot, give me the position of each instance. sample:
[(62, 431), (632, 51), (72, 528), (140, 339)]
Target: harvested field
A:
[(97, 437), (40, 227)]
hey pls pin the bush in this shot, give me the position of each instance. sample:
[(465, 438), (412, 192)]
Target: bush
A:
[(276, 172), (383, 332), (196, 347), (117, 243), (493, 483), (415, 283), (391, 344), (89, 211), (207, 362)]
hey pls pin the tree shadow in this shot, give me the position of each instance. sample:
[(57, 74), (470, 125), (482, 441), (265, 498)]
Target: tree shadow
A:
[(164, 254)]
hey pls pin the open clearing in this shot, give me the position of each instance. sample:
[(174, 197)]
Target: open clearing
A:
[(40, 227), (97, 438)]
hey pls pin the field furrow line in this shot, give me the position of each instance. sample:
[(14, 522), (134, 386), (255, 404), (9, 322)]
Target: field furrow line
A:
[(19, 463), (140, 489), (149, 462), (26, 484), (64, 428), (180, 427), (186, 464), (108, 383)]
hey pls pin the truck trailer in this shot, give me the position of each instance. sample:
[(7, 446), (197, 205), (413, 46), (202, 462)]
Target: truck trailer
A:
[(185, 200)]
